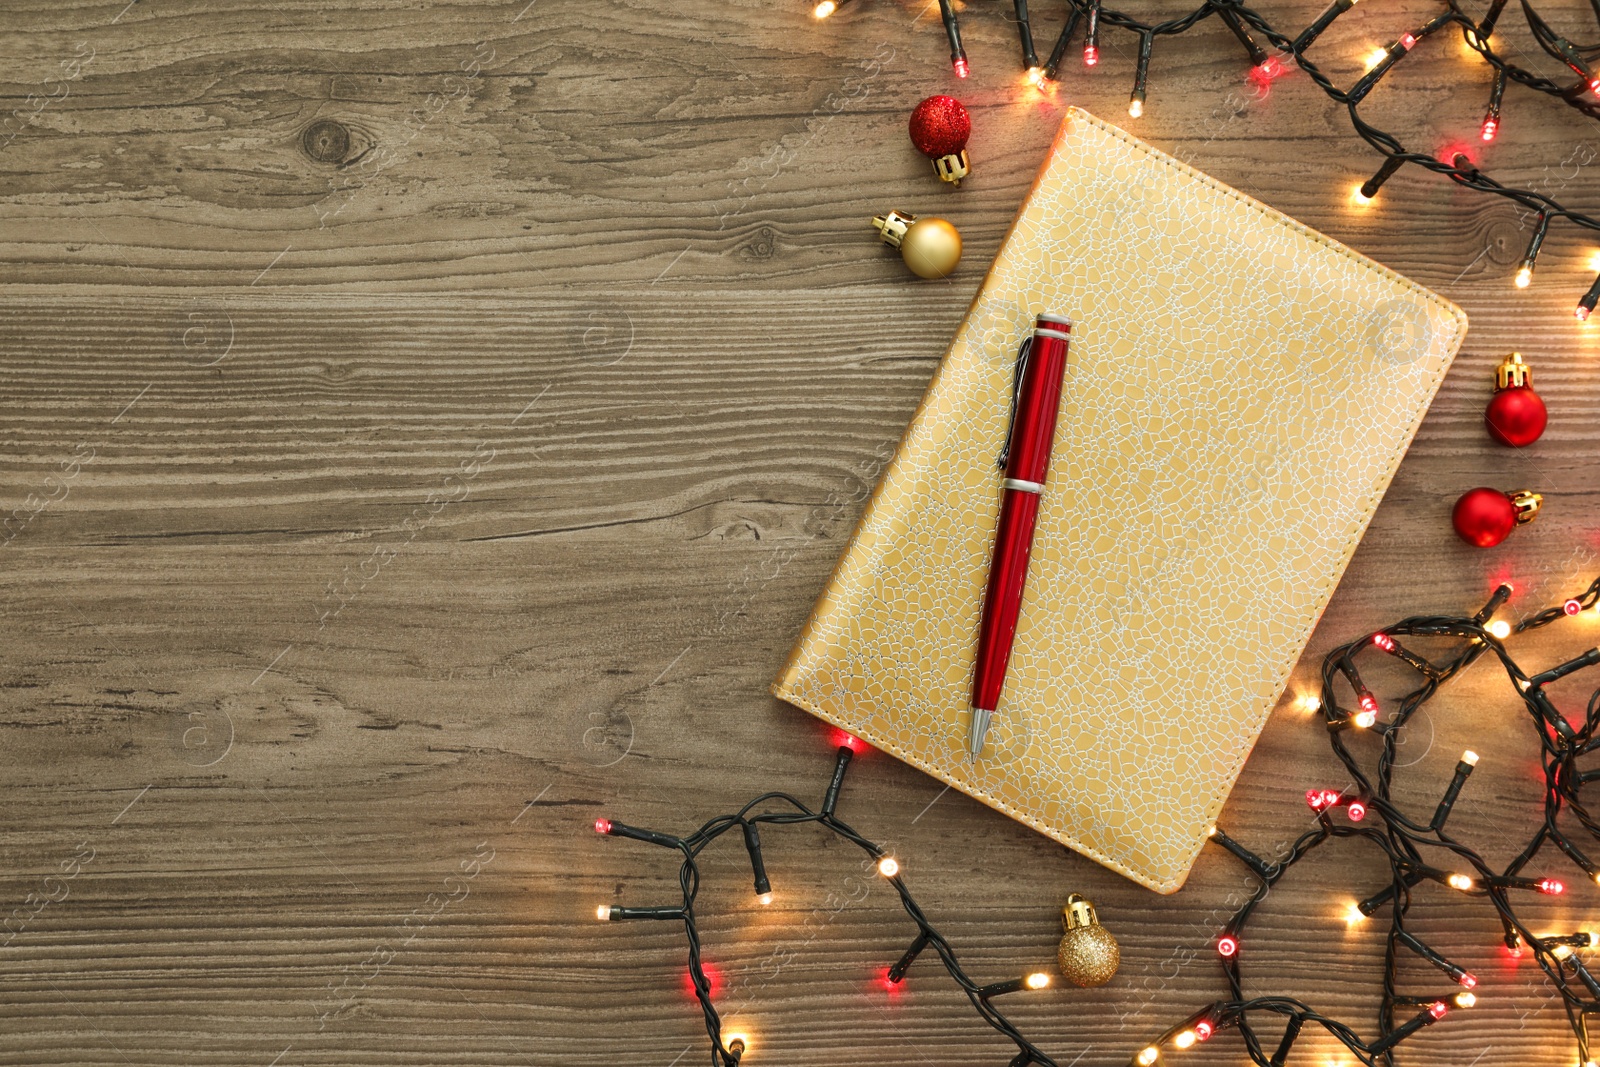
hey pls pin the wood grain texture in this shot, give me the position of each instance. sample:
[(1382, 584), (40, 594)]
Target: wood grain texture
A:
[(405, 491)]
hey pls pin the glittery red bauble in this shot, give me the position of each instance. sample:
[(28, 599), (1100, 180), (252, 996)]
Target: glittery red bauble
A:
[(1484, 517), (1515, 416), (940, 126)]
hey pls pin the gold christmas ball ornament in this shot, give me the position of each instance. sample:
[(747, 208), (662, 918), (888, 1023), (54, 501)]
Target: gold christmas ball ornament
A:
[(1089, 954), (931, 247)]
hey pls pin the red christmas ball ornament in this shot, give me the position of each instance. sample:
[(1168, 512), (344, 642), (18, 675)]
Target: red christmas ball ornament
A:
[(1516, 415), (1485, 517), (940, 127)]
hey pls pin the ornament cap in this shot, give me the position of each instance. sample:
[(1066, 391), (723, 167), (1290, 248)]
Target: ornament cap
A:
[(1526, 504), (892, 226), (1078, 913), (1512, 373), (953, 168)]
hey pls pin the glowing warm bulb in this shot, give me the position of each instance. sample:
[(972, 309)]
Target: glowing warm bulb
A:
[(1354, 916), (1374, 57), (1148, 1056), (1038, 980), (1590, 1063), (1459, 881), (1185, 1039), (764, 898), (1597, 879), (888, 867), (602, 912), (1358, 197), (1135, 108), (1035, 76), (1211, 831), (1562, 952), (1365, 719), (1309, 703), (1470, 758), (1594, 940), (1465, 1000), (1524, 277), (824, 9), (1499, 629), (739, 1043)]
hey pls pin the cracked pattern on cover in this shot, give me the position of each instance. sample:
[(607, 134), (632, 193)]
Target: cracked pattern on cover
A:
[(1240, 391)]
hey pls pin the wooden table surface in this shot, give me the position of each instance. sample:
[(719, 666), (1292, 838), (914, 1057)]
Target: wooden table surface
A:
[(424, 428)]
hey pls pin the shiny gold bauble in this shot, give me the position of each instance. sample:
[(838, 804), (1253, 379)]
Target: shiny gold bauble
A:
[(931, 248), (1089, 954)]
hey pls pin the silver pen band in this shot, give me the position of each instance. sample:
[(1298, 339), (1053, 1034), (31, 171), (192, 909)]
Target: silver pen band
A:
[(1027, 487)]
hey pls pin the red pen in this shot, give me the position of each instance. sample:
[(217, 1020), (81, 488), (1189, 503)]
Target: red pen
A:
[(1036, 398)]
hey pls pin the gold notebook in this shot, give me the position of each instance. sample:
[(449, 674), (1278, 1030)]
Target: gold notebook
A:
[(1240, 390)]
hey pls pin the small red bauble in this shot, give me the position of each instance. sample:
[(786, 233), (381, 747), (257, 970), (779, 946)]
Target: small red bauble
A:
[(1516, 415), (940, 127), (1485, 517)]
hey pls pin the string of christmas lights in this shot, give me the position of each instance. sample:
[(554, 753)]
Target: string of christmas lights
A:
[(727, 1050), (1421, 851), (1246, 24)]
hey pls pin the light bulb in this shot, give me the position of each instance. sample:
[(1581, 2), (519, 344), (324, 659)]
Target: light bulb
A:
[(1374, 57), (1365, 719), (1488, 130), (1407, 41), (602, 826), (1383, 641), (603, 912), (739, 1042), (1203, 1029), (1227, 947), (764, 898), (1135, 108), (1465, 1000), (1357, 811), (1091, 55), (1594, 940), (1524, 276), (1309, 703), (1597, 878), (1499, 629), (1467, 981), (1038, 980), (1354, 916), (824, 9), (1470, 758), (1035, 76), (1572, 607), (1148, 1056), (1185, 1039), (888, 867), (1438, 1009), (1552, 886), (1211, 831), (1459, 881), (959, 65), (1359, 197), (1562, 952)]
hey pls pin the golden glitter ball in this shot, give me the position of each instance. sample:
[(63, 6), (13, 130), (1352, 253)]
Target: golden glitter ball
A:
[(931, 248), (1089, 954)]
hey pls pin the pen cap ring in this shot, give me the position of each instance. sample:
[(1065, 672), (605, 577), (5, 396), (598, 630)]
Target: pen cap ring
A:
[(1051, 325)]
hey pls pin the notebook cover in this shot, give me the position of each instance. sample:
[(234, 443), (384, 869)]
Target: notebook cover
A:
[(1240, 391)]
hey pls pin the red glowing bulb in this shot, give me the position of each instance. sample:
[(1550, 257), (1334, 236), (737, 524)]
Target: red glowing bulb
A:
[(1314, 797), (1438, 1009), (602, 826), (1369, 703), (1467, 981), (1594, 85), (1383, 641), (1490, 128), (888, 981), (1091, 55), (843, 739), (1357, 811), (1408, 41), (959, 64), (1552, 886), (1581, 313), (1203, 1029), (1227, 947), (1572, 607)]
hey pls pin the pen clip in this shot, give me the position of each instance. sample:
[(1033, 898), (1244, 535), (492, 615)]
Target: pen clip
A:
[(1019, 369)]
